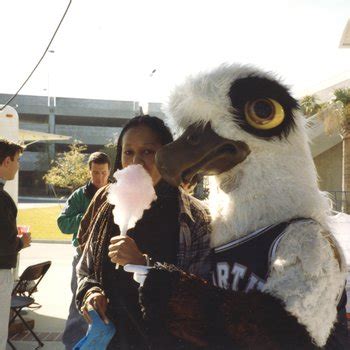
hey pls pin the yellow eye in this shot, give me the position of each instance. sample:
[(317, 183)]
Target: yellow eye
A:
[(264, 113)]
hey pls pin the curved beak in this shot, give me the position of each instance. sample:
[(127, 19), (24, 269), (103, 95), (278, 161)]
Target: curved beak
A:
[(199, 151)]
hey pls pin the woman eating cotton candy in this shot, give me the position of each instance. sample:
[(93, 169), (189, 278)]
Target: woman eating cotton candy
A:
[(175, 230)]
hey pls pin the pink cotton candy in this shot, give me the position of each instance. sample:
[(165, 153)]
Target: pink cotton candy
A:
[(131, 194)]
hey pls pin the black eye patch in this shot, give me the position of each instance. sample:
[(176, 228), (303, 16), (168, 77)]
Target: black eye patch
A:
[(254, 88)]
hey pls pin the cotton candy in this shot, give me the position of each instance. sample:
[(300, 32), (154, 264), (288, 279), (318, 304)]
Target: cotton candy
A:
[(131, 194)]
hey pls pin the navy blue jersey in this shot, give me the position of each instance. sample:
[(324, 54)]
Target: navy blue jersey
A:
[(244, 265)]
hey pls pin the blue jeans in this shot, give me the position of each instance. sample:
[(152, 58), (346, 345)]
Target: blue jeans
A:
[(76, 326)]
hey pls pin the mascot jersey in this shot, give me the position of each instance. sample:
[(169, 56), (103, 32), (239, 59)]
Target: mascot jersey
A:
[(243, 265)]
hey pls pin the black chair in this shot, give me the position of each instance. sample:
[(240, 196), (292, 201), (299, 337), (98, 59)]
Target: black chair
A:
[(22, 294)]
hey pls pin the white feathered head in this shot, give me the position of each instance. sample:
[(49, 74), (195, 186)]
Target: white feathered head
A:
[(242, 126)]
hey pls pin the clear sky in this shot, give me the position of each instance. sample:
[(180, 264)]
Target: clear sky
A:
[(108, 48)]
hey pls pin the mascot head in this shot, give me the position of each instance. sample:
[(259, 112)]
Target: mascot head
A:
[(242, 126)]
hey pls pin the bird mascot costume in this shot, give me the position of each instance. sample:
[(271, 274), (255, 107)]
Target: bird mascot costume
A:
[(278, 276)]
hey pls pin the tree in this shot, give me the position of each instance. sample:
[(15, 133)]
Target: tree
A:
[(309, 105), (343, 96), (70, 169), (336, 118)]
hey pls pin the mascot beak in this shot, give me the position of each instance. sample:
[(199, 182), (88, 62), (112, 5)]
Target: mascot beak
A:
[(199, 151)]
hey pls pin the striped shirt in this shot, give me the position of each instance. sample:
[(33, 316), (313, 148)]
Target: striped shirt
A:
[(194, 237)]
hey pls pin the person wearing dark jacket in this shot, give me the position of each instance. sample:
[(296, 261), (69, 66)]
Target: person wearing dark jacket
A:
[(10, 242), (68, 222)]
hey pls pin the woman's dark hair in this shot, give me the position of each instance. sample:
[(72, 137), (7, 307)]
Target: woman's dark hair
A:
[(154, 123)]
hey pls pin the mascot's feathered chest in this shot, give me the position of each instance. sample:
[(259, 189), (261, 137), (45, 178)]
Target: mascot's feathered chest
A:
[(244, 264)]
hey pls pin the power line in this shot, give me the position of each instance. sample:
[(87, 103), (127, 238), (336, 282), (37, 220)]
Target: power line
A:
[(42, 57)]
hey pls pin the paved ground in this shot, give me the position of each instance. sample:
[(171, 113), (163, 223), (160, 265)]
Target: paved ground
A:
[(31, 202), (38, 205), (53, 292)]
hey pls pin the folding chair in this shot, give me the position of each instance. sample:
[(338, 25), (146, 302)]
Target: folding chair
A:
[(22, 294)]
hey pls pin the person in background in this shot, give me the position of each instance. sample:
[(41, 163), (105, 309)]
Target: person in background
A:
[(68, 222), (10, 242), (174, 230)]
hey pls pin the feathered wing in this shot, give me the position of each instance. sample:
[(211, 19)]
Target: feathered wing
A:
[(307, 274), (206, 316)]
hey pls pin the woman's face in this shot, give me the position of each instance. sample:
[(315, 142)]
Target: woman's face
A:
[(139, 146)]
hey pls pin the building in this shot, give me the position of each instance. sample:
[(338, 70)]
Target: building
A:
[(327, 150), (345, 38), (93, 122)]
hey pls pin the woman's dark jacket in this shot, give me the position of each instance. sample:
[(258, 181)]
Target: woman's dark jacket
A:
[(156, 234)]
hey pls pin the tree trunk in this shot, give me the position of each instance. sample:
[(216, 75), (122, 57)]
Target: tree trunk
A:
[(346, 160)]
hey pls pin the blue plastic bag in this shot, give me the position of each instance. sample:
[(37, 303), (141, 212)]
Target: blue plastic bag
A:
[(98, 335)]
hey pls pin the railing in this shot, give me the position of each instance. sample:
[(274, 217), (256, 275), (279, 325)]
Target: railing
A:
[(340, 199)]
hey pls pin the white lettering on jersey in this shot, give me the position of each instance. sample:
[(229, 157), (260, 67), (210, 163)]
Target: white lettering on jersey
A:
[(254, 282), (260, 285), (238, 272), (213, 278), (222, 270)]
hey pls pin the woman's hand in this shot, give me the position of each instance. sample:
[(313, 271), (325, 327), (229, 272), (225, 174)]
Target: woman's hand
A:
[(123, 250), (98, 302)]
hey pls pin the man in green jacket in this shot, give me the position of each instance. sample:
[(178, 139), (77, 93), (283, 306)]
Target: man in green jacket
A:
[(10, 242), (68, 222)]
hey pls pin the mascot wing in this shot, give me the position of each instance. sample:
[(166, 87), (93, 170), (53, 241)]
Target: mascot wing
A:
[(306, 275), (207, 316)]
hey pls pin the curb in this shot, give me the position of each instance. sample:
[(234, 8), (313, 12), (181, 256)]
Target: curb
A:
[(51, 241), (44, 199)]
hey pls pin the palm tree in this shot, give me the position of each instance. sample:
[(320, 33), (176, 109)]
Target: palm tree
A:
[(309, 105), (336, 118), (343, 96)]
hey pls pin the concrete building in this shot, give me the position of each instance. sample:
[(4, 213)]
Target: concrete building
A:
[(93, 122), (345, 38)]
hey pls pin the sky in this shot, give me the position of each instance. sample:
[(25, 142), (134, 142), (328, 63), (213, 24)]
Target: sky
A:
[(108, 49)]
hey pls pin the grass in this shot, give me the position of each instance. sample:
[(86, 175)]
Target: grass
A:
[(42, 222)]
